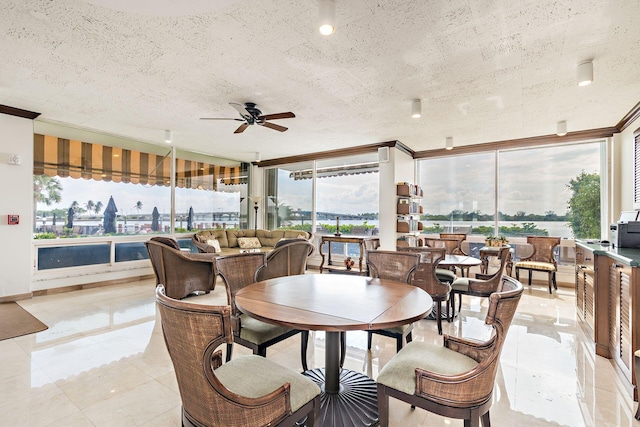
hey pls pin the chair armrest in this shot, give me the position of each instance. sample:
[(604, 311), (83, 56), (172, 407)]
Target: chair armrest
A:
[(202, 247), (476, 350), (485, 286), (203, 257), (471, 387)]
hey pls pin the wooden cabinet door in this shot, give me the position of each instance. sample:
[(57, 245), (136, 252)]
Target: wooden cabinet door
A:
[(620, 300)]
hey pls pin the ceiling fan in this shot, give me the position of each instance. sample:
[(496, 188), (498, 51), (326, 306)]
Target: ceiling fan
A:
[(252, 116)]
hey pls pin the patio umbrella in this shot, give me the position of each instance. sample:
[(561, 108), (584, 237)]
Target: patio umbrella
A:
[(70, 213), (155, 215), (110, 216), (190, 219)]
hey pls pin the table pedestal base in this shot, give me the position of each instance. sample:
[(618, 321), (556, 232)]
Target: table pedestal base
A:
[(355, 404)]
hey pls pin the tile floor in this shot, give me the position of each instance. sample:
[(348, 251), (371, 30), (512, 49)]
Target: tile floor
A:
[(102, 362)]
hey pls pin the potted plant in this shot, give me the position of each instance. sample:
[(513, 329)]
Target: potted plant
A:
[(488, 241)]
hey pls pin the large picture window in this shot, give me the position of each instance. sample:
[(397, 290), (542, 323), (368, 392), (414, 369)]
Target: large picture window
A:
[(87, 189), (547, 190)]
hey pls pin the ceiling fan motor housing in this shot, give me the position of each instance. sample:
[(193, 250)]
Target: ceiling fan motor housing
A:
[(254, 111)]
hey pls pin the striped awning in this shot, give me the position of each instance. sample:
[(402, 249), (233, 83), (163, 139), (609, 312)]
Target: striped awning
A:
[(61, 157), (327, 172)]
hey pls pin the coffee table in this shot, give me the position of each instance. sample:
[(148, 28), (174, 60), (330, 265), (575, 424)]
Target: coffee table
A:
[(336, 303)]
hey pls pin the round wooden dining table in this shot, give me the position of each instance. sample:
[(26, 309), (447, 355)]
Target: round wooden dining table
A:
[(335, 303)]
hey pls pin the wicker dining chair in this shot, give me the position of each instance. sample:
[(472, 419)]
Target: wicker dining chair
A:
[(483, 285), (247, 391), (238, 271), (455, 380), (182, 273), (397, 266), (288, 259), (542, 259), (452, 247), (426, 278)]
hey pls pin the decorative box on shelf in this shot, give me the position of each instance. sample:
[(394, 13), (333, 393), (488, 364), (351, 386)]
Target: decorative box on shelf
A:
[(407, 189)]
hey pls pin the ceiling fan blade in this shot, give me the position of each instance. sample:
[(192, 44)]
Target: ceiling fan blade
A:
[(274, 126), (287, 115), (241, 109), (241, 128), (220, 118)]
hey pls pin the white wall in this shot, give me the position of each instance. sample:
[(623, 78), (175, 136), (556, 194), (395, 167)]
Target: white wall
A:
[(623, 169), (399, 168), (16, 186)]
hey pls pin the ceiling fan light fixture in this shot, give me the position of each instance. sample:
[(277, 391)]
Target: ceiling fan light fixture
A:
[(416, 108), (585, 73), (561, 128), (449, 143), (168, 136), (327, 15)]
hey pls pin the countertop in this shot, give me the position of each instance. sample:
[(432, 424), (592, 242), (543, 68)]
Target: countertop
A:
[(627, 256)]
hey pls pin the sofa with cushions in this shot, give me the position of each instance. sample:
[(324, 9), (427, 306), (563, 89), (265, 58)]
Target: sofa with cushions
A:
[(227, 242)]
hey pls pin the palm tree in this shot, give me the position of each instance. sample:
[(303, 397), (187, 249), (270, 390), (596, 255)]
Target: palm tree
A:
[(97, 208), (90, 206), (75, 206), (138, 206), (47, 190)]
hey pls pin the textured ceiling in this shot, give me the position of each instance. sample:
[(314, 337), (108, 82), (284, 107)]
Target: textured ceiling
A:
[(485, 70)]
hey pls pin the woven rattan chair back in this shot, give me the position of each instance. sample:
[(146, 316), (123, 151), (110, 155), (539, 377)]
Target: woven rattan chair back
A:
[(460, 237), (286, 260), (425, 276), (238, 271), (485, 284), (169, 241), (451, 245), (181, 274), (392, 265), (543, 249)]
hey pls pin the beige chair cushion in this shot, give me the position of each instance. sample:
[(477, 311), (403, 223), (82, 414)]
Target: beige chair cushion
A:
[(255, 376), (400, 373), (535, 265), (461, 284), (258, 332)]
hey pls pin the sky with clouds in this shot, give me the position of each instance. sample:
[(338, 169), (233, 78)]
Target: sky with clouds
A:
[(533, 181)]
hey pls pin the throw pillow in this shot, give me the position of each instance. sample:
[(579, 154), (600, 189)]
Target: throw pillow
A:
[(215, 243), (302, 236), (249, 243)]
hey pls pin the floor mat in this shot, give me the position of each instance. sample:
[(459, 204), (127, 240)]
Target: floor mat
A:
[(16, 321)]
